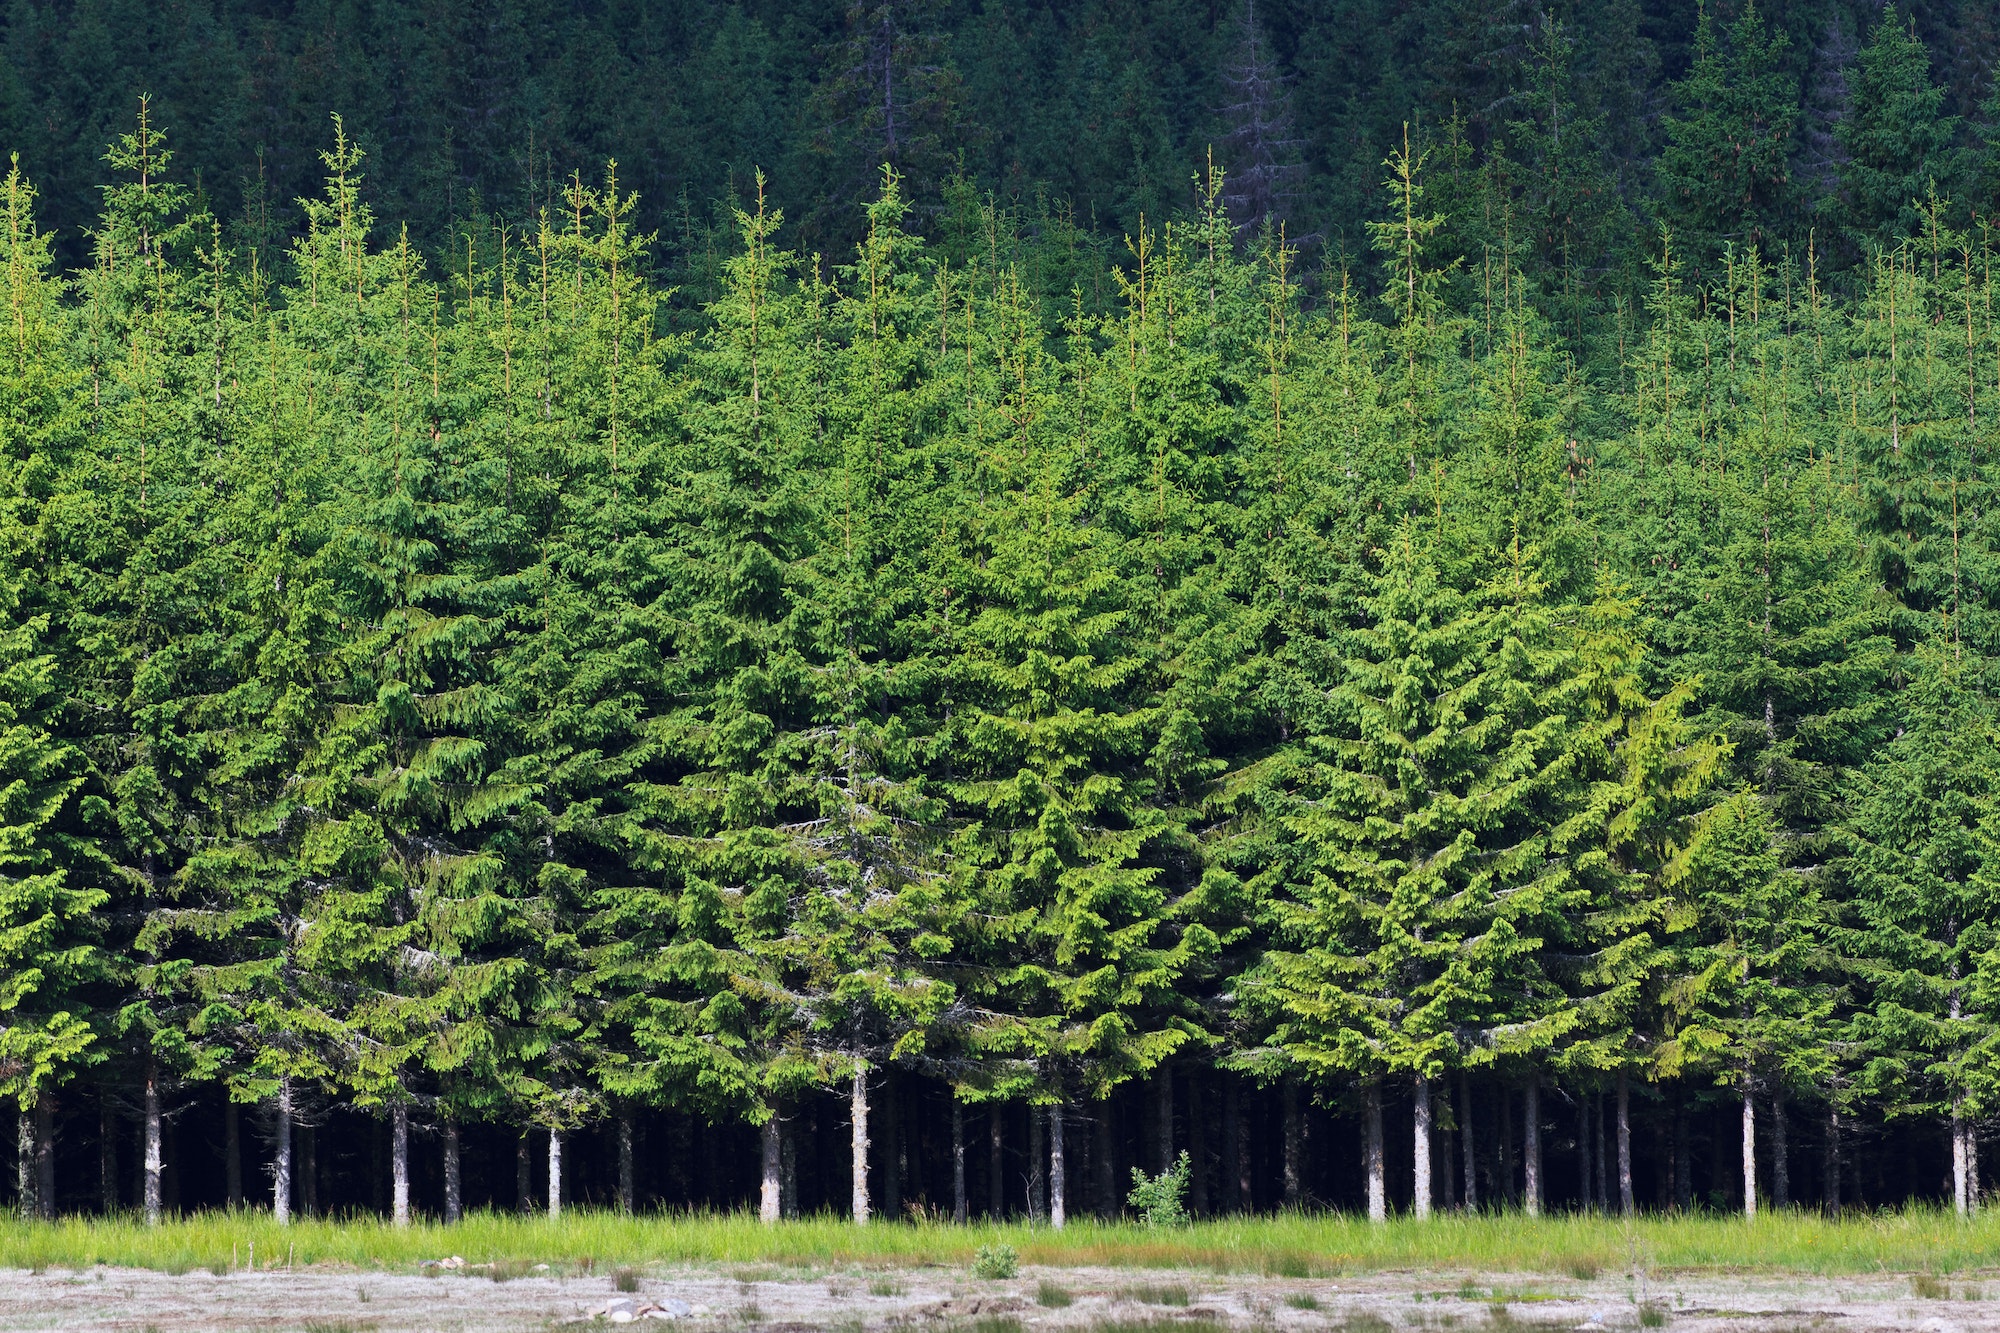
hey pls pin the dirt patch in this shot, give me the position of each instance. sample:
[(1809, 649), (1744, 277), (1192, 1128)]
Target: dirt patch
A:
[(853, 1300)]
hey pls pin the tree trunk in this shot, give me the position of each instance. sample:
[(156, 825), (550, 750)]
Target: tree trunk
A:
[(1037, 1159), (1445, 1117), (1465, 1131), (958, 1211), (1583, 1154), (1420, 1147), (107, 1155), (1626, 1205), (1973, 1167), (1504, 1183), (628, 1180), (770, 1195), (454, 1184), (555, 1174), (1833, 1160), (1163, 1129), (1683, 1156), (154, 1165), (524, 1176), (1781, 1166), (1371, 1157), (399, 1163), (1288, 1103), (1058, 1171), (1749, 1152), (24, 1167), (859, 1104), (232, 1152), (1531, 1144), (1958, 1156), (281, 1165), (1236, 1127), (996, 1197), (45, 1156)]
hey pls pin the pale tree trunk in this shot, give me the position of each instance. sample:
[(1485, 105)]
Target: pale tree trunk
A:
[(1749, 1151), (1288, 1101), (1531, 1144), (1421, 1150), (555, 1174), (770, 1195), (1371, 1157), (1058, 1171), (154, 1164), (24, 1166), (399, 1164), (1971, 1167), (1833, 1160), (958, 1210), (232, 1153), (858, 1099), (1465, 1131), (1036, 1161), (454, 1185), (628, 1182), (1626, 1204), (1781, 1166), (281, 1165), (1958, 1197), (107, 1155)]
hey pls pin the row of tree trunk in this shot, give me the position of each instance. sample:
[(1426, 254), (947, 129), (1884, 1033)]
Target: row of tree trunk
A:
[(1445, 1155)]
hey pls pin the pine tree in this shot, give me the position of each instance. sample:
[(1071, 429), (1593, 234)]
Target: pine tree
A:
[(1724, 171), (1898, 142)]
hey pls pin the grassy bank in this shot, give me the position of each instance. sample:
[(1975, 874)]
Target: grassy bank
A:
[(1297, 1245)]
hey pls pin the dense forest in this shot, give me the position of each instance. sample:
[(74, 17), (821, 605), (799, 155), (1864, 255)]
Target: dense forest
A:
[(1437, 653)]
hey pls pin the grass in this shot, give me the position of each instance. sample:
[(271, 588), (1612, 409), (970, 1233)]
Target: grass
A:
[(1302, 1300), (1926, 1243), (1155, 1293), (1053, 1295)]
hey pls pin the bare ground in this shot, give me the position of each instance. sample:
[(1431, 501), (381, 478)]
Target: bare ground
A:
[(773, 1300)]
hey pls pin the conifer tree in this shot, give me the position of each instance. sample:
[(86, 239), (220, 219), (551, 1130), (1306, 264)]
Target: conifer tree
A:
[(1899, 144)]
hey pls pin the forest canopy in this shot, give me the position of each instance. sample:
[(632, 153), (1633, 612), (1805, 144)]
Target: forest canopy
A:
[(1477, 691)]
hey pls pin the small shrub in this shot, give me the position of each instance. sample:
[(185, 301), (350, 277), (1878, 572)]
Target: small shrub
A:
[(1652, 1316), (1930, 1287), (1053, 1297), (1302, 1300), (625, 1279), (1160, 1199), (995, 1262)]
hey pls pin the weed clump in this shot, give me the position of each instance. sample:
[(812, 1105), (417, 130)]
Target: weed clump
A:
[(1052, 1296), (996, 1262), (625, 1279), (1161, 1199)]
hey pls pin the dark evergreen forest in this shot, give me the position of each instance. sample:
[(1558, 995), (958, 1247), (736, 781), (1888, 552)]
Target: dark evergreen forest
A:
[(903, 609)]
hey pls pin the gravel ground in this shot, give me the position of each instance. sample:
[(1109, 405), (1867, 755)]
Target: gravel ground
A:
[(770, 1300)]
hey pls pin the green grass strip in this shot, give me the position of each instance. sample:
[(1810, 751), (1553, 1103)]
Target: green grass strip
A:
[(1913, 1240)]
